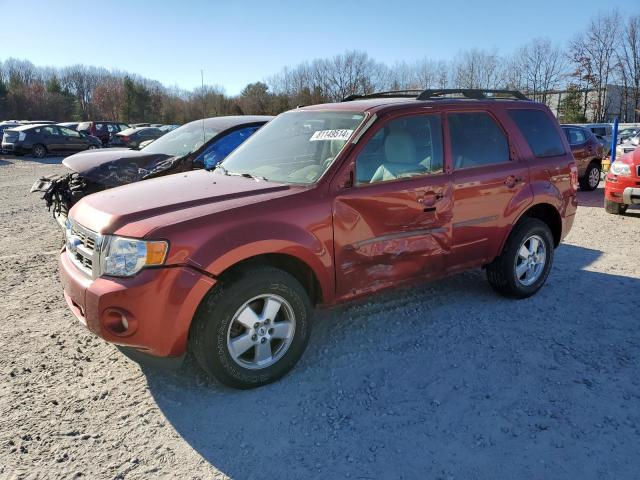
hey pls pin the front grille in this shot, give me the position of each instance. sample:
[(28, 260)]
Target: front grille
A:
[(83, 248)]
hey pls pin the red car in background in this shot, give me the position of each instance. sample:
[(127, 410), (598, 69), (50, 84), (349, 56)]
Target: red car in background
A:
[(588, 153), (622, 184), (103, 130)]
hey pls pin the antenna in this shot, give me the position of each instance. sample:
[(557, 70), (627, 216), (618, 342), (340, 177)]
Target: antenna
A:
[(203, 105)]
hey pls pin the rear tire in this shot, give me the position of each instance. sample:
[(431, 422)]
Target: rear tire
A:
[(524, 264), (225, 340), (39, 150), (614, 207), (591, 178)]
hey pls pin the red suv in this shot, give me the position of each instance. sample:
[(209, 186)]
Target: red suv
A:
[(322, 205)]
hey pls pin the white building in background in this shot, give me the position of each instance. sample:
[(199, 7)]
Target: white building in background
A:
[(616, 103)]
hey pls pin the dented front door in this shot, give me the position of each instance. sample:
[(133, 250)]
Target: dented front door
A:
[(391, 232)]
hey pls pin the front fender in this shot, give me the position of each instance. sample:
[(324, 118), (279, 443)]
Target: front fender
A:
[(224, 246)]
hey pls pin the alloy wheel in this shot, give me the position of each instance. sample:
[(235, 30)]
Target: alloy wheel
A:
[(530, 261), (261, 331), (594, 177)]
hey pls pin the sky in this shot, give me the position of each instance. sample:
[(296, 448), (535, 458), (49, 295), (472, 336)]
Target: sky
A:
[(239, 42)]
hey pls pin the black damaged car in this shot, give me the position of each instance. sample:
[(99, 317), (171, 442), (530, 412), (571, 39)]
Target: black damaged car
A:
[(199, 144)]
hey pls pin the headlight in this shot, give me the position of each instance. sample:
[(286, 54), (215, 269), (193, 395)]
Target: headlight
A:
[(621, 169), (124, 257), (22, 136)]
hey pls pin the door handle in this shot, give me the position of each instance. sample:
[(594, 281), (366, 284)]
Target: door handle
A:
[(428, 201), (512, 180)]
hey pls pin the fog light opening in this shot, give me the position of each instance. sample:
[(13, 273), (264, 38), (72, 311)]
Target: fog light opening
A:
[(117, 322)]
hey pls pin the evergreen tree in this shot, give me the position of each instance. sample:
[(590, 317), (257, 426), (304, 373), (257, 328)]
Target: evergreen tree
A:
[(570, 109)]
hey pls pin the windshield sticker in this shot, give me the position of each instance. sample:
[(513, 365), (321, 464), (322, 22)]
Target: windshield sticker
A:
[(331, 135)]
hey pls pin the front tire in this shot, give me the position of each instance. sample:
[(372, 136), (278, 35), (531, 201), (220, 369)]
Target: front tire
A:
[(39, 150), (524, 264), (591, 178), (614, 208), (252, 329)]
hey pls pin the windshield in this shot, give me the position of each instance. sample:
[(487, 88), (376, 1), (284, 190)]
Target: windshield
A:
[(295, 147), (183, 140)]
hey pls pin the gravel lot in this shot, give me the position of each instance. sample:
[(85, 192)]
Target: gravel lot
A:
[(444, 381)]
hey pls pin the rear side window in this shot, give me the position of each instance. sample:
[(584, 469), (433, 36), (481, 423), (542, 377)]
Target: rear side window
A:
[(53, 131), (539, 131), (476, 140), (575, 136)]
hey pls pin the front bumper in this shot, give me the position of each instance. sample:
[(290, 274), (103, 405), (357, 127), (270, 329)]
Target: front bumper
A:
[(631, 196), (150, 312), (621, 189)]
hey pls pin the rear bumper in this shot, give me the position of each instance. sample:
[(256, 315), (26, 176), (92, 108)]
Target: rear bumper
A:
[(13, 147), (157, 306)]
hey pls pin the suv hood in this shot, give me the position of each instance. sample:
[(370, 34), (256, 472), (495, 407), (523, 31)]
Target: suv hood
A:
[(114, 166), (135, 210)]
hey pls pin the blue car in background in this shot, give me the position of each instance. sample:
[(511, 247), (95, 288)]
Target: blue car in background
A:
[(198, 144)]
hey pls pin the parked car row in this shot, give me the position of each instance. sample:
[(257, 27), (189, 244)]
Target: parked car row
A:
[(44, 141), (321, 205)]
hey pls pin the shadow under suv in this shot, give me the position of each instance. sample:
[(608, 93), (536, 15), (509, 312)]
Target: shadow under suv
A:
[(323, 205)]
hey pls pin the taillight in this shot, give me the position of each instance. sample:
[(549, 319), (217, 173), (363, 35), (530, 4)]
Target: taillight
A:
[(574, 176), (124, 138)]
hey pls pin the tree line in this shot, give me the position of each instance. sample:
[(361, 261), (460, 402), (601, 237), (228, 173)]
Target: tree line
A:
[(606, 51)]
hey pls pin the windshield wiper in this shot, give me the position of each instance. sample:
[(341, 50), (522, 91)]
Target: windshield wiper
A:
[(219, 166), (237, 174), (248, 175)]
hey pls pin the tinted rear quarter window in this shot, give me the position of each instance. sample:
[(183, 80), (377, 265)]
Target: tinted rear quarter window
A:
[(539, 131)]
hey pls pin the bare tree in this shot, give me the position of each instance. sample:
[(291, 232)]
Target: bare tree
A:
[(478, 69), (593, 54), (540, 66), (628, 56)]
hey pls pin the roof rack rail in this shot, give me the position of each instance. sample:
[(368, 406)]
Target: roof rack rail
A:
[(434, 94), (475, 93), (411, 93)]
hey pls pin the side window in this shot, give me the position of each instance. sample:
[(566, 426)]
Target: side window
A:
[(112, 128), (218, 150), (50, 131), (476, 140), (405, 147), (539, 131), (67, 132), (577, 136)]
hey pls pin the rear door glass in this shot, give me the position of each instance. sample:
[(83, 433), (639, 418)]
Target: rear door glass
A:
[(476, 140), (539, 131)]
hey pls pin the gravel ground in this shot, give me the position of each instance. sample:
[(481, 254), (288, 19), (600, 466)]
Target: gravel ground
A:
[(444, 381)]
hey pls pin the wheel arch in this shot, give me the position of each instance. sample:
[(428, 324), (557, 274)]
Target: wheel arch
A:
[(546, 213), (291, 264)]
